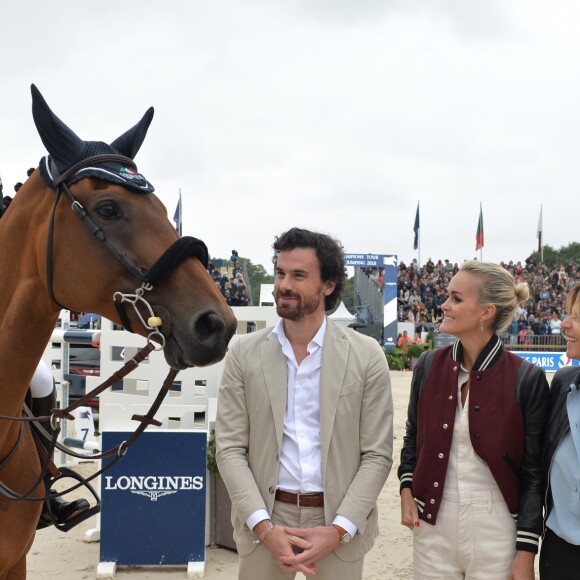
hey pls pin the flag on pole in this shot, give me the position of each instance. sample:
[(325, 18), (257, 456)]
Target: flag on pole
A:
[(177, 217), (416, 229), (540, 232), (479, 234)]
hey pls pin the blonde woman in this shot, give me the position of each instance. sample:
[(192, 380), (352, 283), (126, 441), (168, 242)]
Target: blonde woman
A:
[(471, 480)]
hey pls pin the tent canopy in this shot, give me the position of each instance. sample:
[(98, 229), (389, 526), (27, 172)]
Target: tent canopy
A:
[(342, 316)]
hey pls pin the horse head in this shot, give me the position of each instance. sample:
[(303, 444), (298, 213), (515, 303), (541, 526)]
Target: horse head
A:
[(129, 264)]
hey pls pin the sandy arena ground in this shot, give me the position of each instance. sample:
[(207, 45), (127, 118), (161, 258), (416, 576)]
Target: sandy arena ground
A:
[(67, 557)]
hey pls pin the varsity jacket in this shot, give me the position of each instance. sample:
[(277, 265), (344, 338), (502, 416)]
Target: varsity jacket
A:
[(508, 400), (558, 424)]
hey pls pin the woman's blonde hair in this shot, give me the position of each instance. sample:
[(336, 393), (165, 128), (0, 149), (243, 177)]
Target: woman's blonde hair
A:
[(498, 287)]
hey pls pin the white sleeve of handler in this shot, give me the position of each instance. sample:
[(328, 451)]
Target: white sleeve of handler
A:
[(42, 382)]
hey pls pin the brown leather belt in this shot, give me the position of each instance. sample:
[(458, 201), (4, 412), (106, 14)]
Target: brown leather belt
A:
[(301, 499)]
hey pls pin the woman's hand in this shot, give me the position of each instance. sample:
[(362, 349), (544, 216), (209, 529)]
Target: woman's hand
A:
[(409, 512), (523, 566)]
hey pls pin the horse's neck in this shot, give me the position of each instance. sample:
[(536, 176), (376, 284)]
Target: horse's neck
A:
[(27, 314)]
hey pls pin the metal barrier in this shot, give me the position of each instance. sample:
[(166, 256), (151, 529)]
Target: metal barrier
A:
[(551, 342)]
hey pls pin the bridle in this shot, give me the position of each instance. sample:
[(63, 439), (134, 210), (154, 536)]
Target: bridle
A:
[(149, 278), (178, 251)]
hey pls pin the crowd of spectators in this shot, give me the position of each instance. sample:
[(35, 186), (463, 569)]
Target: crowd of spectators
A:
[(230, 282), (423, 289)]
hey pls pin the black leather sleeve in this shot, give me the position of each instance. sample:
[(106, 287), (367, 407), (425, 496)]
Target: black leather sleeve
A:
[(534, 397), (409, 450)]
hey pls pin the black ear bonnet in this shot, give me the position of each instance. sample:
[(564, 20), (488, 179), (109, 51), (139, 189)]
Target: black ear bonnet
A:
[(113, 163)]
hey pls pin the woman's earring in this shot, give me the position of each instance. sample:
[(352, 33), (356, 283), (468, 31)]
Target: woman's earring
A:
[(482, 327)]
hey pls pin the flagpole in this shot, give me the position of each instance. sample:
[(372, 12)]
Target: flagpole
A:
[(541, 233)]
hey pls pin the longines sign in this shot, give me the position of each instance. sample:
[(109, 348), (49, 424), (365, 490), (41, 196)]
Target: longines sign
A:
[(154, 486), (153, 510)]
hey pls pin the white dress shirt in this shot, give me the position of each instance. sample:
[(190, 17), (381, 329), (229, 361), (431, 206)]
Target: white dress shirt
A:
[(300, 460)]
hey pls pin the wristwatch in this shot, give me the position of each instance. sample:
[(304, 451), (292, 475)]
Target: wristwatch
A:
[(268, 529), (345, 537)]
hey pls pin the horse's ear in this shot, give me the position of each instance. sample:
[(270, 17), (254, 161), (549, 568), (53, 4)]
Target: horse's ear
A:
[(61, 142), (129, 143)]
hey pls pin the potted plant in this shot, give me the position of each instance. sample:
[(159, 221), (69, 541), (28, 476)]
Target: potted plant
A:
[(396, 359)]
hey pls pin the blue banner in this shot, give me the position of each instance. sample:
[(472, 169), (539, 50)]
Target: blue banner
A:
[(549, 361), (153, 499)]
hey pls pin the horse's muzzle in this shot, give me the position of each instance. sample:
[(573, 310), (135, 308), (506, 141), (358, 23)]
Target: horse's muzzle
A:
[(213, 334), (206, 343)]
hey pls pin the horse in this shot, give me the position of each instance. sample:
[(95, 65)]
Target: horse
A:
[(129, 265)]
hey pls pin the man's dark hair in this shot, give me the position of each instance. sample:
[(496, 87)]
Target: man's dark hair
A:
[(329, 252)]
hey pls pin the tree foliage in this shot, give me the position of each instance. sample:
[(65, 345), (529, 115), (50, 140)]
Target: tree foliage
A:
[(348, 296), (257, 275), (554, 257)]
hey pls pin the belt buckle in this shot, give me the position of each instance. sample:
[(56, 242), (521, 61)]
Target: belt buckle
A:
[(298, 499)]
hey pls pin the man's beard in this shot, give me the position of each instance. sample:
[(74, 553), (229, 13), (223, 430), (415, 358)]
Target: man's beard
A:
[(300, 309)]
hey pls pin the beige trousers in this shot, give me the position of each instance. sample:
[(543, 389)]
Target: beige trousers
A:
[(261, 564), (474, 539)]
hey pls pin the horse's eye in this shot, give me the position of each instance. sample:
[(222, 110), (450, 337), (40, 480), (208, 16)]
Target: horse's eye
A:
[(108, 211)]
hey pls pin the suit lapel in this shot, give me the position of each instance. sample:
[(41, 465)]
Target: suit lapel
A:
[(334, 358), (276, 379)]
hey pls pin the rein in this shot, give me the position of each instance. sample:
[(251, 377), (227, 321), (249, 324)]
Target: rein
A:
[(58, 414)]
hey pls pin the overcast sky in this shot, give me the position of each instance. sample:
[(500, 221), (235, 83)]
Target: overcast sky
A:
[(335, 115)]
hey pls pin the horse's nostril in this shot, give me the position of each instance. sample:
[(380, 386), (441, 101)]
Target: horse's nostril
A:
[(208, 328)]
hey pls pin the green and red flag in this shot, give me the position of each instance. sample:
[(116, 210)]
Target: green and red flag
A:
[(479, 234)]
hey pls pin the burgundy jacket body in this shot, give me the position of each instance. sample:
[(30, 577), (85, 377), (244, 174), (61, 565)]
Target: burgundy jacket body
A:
[(496, 428)]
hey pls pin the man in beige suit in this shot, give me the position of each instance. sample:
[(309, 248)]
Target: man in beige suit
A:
[(304, 426)]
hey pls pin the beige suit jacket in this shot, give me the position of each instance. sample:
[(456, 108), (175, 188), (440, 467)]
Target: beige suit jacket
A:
[(356, 423)]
